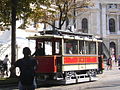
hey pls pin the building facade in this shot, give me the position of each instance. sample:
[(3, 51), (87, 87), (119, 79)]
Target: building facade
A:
[(102, 20)]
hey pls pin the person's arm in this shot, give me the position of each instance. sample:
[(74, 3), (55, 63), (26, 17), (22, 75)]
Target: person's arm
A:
[(34, 53)]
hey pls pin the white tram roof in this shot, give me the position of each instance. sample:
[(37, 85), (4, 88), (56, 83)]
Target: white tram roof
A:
[(43, 36), (64, 36)]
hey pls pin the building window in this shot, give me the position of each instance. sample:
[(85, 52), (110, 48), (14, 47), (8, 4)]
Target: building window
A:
[(112, 25), (85, 25)]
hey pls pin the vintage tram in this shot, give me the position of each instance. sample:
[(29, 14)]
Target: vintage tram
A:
[(69, 57)]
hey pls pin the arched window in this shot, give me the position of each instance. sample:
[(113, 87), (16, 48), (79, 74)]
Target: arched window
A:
[(85, 25), (112, 25)]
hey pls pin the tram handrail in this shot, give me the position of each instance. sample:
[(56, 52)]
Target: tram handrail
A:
[(106, 51)]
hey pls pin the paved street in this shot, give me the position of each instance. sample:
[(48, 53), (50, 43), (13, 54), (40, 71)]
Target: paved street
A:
[(110, 79)]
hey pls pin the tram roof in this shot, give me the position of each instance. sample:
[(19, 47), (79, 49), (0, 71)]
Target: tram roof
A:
[(65, 32), (62, 34), (43, 36)]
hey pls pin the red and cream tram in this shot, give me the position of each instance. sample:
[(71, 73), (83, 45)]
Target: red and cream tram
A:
[(68, 56)]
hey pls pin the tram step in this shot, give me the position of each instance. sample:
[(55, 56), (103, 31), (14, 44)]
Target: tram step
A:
[(94, 78), (82, 76)]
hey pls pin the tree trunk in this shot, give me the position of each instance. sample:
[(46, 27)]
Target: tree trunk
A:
[(13, 35)]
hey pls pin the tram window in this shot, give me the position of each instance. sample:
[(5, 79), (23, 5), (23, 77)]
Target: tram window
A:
[(93, 48), (87, 47), (81, 47), (48, 48), (39, 50), (90, 47), (57, 47), (75, 47), (70, 47)]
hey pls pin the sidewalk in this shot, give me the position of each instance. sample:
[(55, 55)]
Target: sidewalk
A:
[(106, 73), (115, 70)]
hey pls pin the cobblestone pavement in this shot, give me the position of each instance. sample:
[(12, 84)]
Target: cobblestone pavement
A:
[(106, 76)]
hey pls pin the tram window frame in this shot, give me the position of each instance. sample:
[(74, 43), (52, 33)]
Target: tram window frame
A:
[(92, 48), (38, 42), (57, 47), (81, 47), (70, 46), (89, 49), (51, 47)]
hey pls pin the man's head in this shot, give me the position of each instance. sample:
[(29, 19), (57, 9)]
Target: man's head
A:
[(6, 56), (39, 45), (26, 51)]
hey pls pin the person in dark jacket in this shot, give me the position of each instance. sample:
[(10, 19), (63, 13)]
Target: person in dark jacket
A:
[(27, 66)]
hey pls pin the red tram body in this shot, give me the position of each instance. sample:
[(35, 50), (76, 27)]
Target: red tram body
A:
[(59, 64)]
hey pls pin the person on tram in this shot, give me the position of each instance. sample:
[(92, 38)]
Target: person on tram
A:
[(39, 51)]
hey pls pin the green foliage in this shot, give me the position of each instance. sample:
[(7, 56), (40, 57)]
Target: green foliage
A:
[(43, 11), (5, 12), (58, 10), (23, 10)]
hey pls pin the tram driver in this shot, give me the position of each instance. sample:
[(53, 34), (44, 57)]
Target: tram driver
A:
[(39, 51)]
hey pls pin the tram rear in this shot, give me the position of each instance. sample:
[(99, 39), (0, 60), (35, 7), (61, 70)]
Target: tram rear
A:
[(68, 57)]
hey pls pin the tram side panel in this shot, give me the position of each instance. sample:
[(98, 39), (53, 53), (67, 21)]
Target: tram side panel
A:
[(48, 64), (81, 63), (71, 63), (92, 62), (53, 64)]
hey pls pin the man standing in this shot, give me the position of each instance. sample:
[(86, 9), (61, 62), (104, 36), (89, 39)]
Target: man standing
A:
[(5, 65), (27, 66)]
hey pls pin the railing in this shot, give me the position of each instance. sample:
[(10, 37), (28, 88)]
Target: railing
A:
[(4, 49), (106, 51)]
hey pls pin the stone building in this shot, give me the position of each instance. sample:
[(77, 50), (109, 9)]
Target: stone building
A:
[(102, 20)]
